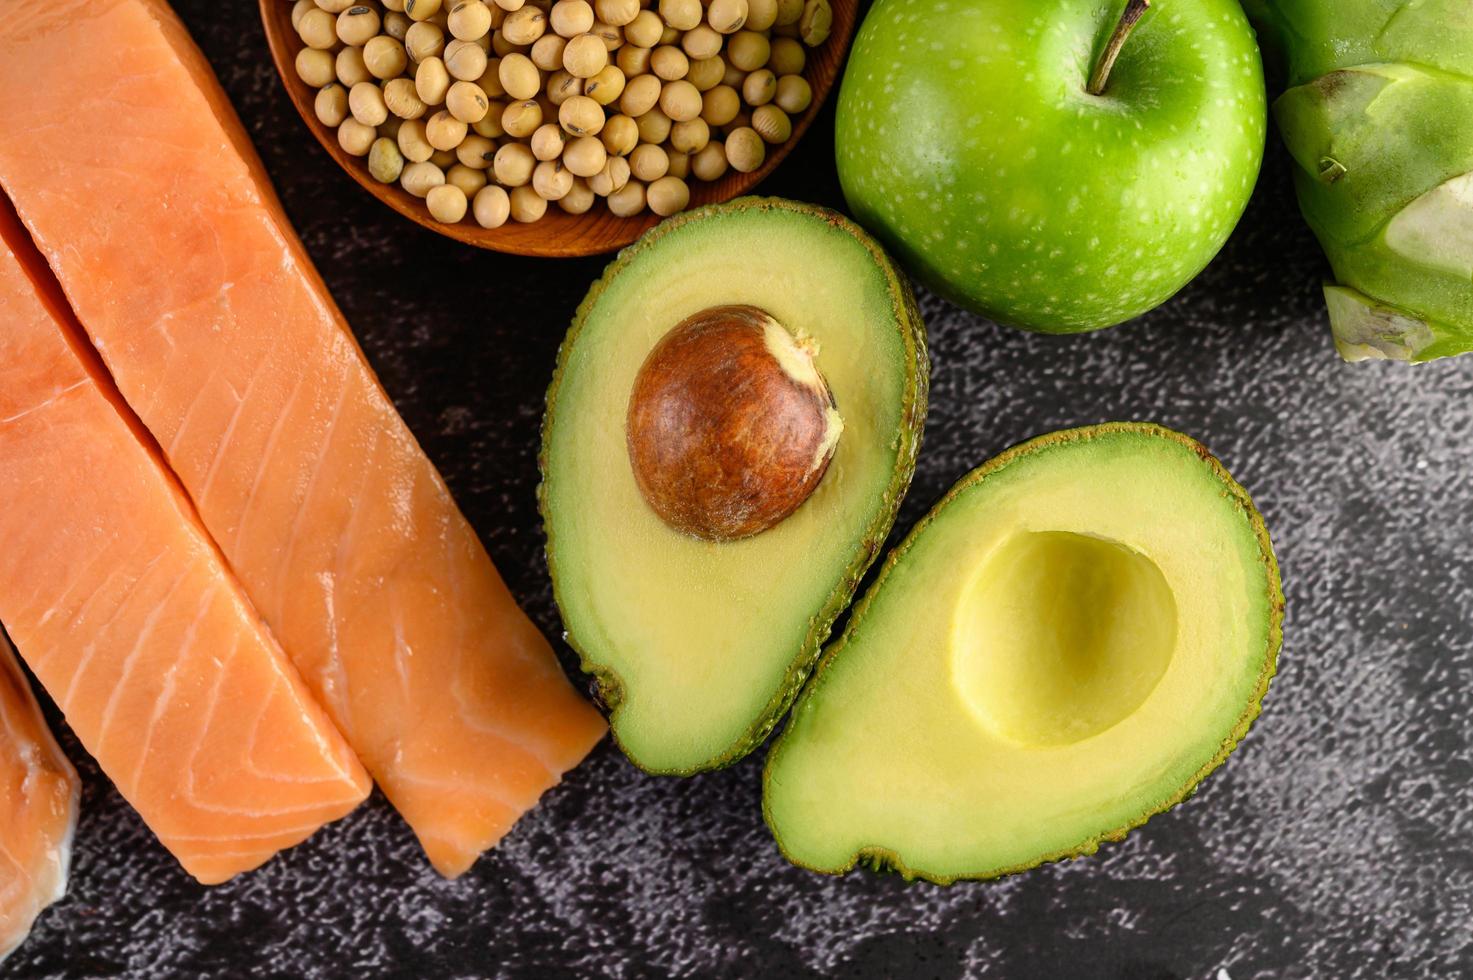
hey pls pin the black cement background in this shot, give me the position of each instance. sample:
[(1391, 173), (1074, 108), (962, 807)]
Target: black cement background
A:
[(1335, 843)]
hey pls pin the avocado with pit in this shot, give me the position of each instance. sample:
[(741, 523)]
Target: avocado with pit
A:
[(733, 422), (1076, 635)]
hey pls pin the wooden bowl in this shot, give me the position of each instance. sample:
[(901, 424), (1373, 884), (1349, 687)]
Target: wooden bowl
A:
[(557, 233)]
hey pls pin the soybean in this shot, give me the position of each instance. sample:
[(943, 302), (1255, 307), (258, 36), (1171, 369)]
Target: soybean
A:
[(620, 13), (526, 204), (446, 202), (706, 74), (475, 152), (620, 135), (640, 95), (585, 156), (669, 63), (667, 196), (402, 100), (614, 175), (680, 101), (793, 94), (470, 20), (761, 14), (396, 24), (759, 87), (585, 56), (720, 105), (445, 131), (627, 200), (513, 164), (384, 57), (649, 162), (561, 86), (424, 40), (606, 86), (349, 67), (317, 29), (355, 137), (431, 81), (682, 15), (691, 135), (357, 24), (548, 141), (581, 116), (709, 162), (385, 162), (578, 199), (748, 50), (521, 119), (366, 102), (569, 18), (654, 126), (547, 52), (645, 29), (786, 56), (315, 67), (633, 61), (467, 102), (468, 179), (421, 9), (523, 26), (772, 124), (495, 107), (519, 76), (491, 207), (331, 104), (412, 142), (744, 149), (551, 180)]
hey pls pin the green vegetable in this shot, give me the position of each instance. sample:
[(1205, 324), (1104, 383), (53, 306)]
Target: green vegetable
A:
[(1379, 121), (1071, 641)]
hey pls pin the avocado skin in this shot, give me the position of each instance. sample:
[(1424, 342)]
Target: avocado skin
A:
[(610, 687), (882, 859)]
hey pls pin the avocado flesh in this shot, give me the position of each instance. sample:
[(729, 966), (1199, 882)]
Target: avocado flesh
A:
[(701, 646), (1072, 639)]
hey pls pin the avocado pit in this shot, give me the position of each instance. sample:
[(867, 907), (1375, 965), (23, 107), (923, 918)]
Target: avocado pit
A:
[(730, 424)]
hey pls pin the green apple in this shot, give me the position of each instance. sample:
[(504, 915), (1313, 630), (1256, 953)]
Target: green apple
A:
[(995, 147)]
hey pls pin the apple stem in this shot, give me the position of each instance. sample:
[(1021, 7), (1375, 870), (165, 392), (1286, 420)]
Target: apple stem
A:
[(1101, 75)]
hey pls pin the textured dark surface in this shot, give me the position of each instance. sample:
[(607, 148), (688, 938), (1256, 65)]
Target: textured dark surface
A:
[(1335, 843)]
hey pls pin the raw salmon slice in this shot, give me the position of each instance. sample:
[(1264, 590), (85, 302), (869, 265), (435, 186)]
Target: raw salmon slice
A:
[(159, 221), (125, 611), (38, 808)]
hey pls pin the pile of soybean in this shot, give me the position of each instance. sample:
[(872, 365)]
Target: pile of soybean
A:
[(494, 108)]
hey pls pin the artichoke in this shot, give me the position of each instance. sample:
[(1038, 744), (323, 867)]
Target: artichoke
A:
[(1379, 122)]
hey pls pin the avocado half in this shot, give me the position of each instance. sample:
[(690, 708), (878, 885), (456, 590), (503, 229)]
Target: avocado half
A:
[(700, 647), (1076, 635)]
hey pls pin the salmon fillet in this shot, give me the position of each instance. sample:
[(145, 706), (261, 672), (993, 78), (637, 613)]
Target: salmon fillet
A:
[(162, 227), (38, 808), (123, 608)]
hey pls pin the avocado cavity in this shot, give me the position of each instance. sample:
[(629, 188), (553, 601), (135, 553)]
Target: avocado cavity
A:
[(1061, 635)]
